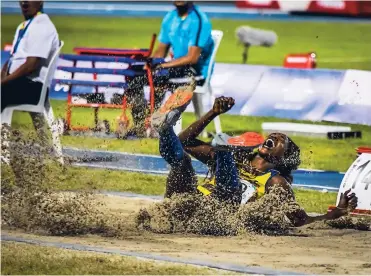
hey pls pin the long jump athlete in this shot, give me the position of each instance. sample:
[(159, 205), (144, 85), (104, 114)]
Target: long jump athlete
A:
[(235, 176)]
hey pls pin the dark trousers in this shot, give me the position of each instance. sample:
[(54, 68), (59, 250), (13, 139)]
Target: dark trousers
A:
[(182, 177), (20, 91), (135, 94)]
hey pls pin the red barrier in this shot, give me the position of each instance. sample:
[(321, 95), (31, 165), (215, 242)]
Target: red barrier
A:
[(256, 4), (300, 61), (334, 7), (365, 8), (342, 7), (361, 150)]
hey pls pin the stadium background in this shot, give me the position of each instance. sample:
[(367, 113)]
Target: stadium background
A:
[(343, 49), (340, 44)]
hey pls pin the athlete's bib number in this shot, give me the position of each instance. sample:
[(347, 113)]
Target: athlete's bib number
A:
[(248, 190), (358, 178)]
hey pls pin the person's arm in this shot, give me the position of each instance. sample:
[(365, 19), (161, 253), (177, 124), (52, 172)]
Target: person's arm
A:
[(4, 69), (299, 217), (198, 149), (163, 38), (347, 202), (31, 65), (190, 59), (161, 50)]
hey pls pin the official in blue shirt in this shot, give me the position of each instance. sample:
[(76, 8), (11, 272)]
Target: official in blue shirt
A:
[(187, 30)]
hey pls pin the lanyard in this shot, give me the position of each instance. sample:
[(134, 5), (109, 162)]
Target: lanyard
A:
[(22, 31)]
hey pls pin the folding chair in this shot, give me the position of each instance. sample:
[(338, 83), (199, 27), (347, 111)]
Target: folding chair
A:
[(205, 89), (135, 58), (43, 109), (94, 83)]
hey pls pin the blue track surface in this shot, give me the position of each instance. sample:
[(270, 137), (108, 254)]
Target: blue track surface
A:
[(151, 164), (135, 9)]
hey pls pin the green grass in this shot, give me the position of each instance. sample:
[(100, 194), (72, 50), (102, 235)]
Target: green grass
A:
[(313, 201), (81, 178), (25, 259), (338, 44), (316, 153)]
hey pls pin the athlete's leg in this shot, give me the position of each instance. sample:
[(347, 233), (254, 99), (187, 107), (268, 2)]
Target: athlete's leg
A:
[(170, 147), (226, 178), (182, 177)]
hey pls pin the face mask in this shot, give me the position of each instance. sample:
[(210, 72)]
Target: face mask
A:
[(182, 10)]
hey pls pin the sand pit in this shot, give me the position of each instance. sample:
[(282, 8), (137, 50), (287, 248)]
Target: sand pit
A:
[(312, 249)]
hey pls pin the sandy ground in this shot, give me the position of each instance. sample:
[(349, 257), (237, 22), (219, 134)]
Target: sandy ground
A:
[(312, 249)]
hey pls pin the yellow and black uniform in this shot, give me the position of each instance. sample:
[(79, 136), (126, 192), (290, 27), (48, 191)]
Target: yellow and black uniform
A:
[(253, 186)]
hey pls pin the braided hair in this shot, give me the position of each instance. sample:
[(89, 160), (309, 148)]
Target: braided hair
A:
[(290, 161), (285, 166)]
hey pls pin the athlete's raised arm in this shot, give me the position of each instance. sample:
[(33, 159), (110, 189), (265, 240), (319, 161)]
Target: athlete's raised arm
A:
[(198, 149)]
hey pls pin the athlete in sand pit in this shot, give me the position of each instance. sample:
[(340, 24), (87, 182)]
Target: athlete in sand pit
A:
[(237, 176)]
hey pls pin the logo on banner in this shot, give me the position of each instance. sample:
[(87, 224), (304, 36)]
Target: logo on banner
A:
[(61, 88)]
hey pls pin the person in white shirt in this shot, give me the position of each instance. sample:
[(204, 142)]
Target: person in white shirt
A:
[(35, 42)]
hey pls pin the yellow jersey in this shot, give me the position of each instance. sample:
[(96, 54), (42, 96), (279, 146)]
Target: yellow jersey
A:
[(252, 185)]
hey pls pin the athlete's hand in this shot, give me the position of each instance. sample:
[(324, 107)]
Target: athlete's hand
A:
[(222, 105), (348, 201)]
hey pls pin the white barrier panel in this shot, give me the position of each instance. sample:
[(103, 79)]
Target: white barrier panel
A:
[(353, 103), (358, 178), (234, 80), (293, 93)]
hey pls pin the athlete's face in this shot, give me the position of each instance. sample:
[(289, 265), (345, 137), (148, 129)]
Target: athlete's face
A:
[(274, 145)]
